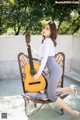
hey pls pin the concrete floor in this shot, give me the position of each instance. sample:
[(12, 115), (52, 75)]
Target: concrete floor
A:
[(12, 103), (11, 87)]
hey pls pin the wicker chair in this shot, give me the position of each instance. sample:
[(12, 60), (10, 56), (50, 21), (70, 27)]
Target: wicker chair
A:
[(23, 60)]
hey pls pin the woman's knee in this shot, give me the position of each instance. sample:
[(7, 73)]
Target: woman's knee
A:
[(52, 97)]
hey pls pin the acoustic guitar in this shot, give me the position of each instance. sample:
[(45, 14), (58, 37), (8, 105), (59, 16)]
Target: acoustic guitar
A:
[(31, 69)]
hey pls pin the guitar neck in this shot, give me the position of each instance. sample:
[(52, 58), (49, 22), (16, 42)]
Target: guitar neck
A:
[(30, 58), (32, 69)]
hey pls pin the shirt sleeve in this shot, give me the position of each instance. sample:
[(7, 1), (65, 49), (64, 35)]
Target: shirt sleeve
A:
[(46, 50)]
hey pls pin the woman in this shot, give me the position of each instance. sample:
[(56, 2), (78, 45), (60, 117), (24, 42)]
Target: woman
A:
[(46, 54)]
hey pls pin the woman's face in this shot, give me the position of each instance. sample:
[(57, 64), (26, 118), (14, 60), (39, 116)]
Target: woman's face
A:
[(46, 31)]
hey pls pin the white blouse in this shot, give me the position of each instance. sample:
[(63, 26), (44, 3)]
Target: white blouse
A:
[(46, 49)]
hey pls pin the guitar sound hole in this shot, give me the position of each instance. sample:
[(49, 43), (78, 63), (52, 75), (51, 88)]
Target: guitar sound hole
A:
[(32, 83)]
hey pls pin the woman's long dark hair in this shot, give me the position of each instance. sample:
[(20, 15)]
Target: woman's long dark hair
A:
[(53, 30)]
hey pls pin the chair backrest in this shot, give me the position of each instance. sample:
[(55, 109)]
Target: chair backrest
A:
[(23, 60)]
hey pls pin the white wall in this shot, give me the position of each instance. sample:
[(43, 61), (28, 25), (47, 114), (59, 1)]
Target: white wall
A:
[(11, 46), (75, 61), (65, 45)]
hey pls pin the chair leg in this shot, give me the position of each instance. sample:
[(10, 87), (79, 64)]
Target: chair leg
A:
[(30, 113), (26, 110), (61, 111), (35, 105)]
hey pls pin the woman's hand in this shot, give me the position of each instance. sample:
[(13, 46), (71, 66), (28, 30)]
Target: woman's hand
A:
[(36, 76)]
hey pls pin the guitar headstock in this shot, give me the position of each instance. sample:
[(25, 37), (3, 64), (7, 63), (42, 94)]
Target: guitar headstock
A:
[(27, 38)]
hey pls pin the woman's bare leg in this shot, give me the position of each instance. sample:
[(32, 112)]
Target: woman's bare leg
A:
[(62, 104)]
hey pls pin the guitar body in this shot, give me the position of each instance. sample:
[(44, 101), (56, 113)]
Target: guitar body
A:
[(32, 85)]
